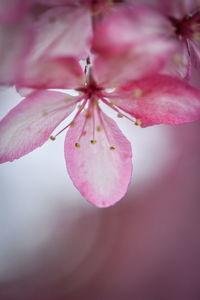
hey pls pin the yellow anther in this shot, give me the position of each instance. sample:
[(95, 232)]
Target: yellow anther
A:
[(44, 113), (52, 138), (112, 148), (72, 124), (93, 142), (77, 145), (98, 128), (68, 99), (138, 123), (120, 115), (194, 26), (137, 93), (176, 58), (196, 36)]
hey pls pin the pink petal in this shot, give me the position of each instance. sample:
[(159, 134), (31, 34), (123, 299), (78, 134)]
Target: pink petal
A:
[(63, 31), (11, 10), (60, 73), (15, 44), (61, 2), (178, 8), (195, 55), (30, 124), (159, 99), (134, 45), (179, 64), (175, 8), (101, 175)]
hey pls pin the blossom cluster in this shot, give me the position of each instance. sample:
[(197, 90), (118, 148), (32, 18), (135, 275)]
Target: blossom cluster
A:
[(137, 57)]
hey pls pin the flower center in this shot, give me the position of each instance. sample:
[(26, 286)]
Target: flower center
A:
[(188, 27)]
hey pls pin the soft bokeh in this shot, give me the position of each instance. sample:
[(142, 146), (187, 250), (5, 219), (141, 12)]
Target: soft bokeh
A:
[(55, 246)]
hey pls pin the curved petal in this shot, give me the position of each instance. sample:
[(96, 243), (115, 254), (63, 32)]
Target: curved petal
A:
[(11, 10), (59, 73), (15, 44), (30, 124), (63, 31), (179, 64), (178, 8), (100, 174), (159, 99), (135, 44), (175, 8)]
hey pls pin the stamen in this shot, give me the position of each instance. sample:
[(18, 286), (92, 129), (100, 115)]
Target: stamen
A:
[(176, 58), (77, 145), (117, 110), (104, 128), (138, 123), (87, 117), (99, 128), (52, 138), (196, 36), (194, 26), (93, 123), (120, 115), (112, 148), (93, 142), (73, 121), (137, 93)]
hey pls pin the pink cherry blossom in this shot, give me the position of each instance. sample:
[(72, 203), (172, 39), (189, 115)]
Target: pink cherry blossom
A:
[(184, 16), (98, 156)]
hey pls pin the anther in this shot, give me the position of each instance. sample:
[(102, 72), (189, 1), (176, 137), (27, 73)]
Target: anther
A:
[(196, 36), (120, 115), (176, 58), (194, 26), (77, 145), (137, 93), (68, 99), (138, 123), (112, 148), (52, 138), (44, 113), (98, 128), (93, 142), (72, 124)]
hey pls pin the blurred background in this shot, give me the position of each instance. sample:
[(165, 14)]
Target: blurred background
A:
[(54, 245)]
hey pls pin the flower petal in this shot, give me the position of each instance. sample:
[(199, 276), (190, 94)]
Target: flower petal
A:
[(101, 175), (59, 73), (30, 124), (135, 44), (11, 10), (15, 44), (179, 64), (159, 99), (63, 31)]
